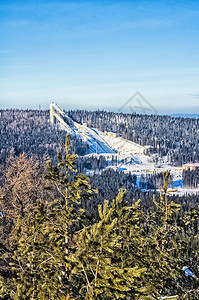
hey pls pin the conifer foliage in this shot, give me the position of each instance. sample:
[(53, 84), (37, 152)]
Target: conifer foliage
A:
[(104, 264), (38, 259), (41, 261), (124, 253), (162, 248)]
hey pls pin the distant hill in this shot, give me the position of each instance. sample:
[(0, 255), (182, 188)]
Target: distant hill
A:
[(30, 131), (185, 115)]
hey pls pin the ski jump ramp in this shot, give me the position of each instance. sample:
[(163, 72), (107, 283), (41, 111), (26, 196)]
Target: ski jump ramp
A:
[(96, 143)]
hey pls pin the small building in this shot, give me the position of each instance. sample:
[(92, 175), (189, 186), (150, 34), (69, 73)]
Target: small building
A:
[(191, 166)]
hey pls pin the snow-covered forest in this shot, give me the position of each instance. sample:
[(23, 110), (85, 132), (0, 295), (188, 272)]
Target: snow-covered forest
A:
[(29, 131), (59, 240), (125, 245), (176, 138)]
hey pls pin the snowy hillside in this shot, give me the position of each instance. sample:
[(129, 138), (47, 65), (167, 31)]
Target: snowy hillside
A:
[(129, 156)]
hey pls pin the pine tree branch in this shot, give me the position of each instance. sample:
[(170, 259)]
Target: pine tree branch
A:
[(88, 283), (59, 190)]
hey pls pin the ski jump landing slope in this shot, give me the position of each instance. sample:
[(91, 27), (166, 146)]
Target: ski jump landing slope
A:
[(96, 143)]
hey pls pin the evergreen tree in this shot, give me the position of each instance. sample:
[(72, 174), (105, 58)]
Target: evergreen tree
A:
[(39, 260), (104, 267), (66, 210), (161, 251), (42, 258)]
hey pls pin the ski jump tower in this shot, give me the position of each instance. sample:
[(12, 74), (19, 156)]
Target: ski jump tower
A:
[(57, 115)]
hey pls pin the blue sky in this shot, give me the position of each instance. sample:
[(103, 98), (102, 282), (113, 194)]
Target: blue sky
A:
[(87, 54)]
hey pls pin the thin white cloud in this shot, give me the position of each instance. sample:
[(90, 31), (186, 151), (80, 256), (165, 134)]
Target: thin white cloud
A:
[(194, 95)]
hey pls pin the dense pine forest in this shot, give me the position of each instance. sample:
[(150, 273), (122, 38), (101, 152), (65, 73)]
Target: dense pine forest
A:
[(68, 236), (53, 246), (30, 131), (191, 177), (99, 150)]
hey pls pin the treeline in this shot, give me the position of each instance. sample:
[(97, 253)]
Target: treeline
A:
[(52, 248), (30, 131), (176, 138), (110, 181), (191, 178), (91, 163)]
